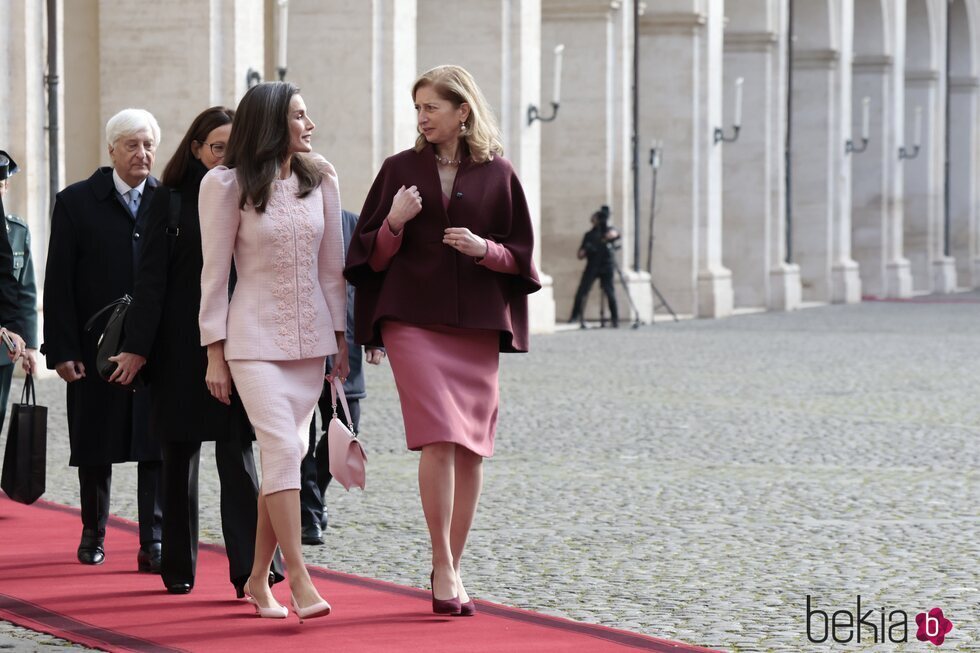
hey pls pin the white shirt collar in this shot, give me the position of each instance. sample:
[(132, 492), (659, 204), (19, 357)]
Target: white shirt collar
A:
[(122, 187)]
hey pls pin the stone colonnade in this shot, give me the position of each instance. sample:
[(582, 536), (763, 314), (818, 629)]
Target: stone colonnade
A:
[(787, 213)]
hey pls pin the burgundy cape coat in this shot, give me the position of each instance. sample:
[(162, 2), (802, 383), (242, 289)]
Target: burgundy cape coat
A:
[(430, 283)]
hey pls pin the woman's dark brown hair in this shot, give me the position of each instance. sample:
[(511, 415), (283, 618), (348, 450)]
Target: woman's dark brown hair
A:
[(259, 143), (206, 122)]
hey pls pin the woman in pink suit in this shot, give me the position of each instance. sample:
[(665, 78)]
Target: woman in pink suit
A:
[(442, 261), (274, 211)]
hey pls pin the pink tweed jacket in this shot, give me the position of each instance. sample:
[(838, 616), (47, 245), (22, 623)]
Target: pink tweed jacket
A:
[(291, 296)]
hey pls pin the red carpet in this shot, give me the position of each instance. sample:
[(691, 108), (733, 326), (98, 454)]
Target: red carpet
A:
[(112, 607)]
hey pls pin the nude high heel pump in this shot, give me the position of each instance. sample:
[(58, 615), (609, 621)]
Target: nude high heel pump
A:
[(320, 609), (273, 612)]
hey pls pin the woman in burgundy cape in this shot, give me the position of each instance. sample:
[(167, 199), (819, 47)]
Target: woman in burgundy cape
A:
[(442, 261)]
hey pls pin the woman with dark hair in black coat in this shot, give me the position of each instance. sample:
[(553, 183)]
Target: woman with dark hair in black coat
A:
[(162, 326)]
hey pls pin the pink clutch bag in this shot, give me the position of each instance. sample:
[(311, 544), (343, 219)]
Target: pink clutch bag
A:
[(347, 457)]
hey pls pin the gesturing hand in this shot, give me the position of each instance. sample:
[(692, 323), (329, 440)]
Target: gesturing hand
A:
[(466, 242), (405, 206)]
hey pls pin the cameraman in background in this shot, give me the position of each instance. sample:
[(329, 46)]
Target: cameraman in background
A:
[(597, 246)]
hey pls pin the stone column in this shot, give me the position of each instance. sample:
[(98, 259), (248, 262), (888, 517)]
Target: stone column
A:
[(23, 51), (754, 166), (81, 86), (816, 146), (870, 169), (845, 282), (190, 56), (963, 170), (923, 239), (820, 170), (681, 105), (637, 273), (877, 207), (925, 71), (583, 151), (355, 61), (504, 56), (964, 154)]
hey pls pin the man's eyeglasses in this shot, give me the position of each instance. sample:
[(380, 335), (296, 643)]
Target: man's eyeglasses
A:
[(217, 149)]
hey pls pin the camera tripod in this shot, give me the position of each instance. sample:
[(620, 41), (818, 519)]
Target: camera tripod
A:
[(654, 168)]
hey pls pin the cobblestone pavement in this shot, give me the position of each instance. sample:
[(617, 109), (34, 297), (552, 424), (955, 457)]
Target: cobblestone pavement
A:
[(694, 480)]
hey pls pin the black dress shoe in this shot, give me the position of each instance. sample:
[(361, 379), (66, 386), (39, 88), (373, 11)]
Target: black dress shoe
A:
[(312, 534), (91, 550), (179, 588), (148, 559), (239, 584)]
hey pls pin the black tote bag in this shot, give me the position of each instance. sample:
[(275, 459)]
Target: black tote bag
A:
[(27, 445)]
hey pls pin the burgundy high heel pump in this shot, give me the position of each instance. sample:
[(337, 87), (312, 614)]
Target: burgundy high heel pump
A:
[(443, 606)]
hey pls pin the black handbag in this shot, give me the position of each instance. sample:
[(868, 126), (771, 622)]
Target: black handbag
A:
[(111, 341), (25, 457)]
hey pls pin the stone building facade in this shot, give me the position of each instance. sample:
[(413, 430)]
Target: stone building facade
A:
[(797, 209)]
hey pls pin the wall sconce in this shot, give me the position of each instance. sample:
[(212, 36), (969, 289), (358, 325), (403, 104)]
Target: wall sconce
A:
[(533, 114), (865, 129), (719, 132), (902, 152), (656, 147), (252, 78), (532, 110)]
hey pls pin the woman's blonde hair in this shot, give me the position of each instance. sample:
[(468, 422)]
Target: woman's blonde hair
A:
[(454, 84)]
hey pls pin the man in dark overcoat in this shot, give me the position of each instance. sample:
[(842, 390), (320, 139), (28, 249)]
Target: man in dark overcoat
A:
[(94, 249)]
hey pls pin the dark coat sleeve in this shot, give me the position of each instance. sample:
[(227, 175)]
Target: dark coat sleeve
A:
[(27, 298), (61, 320), (150, 286), (519, 239), (373, 214)]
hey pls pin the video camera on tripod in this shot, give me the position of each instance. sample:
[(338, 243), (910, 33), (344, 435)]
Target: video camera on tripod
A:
[(600, 245), (610, 236)]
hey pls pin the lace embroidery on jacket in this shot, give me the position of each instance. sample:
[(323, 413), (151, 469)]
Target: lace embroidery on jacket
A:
[(284, 264), (307, 280), (295, 242)]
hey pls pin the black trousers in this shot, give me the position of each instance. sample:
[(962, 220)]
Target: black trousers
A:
[(239, 509), (93, 485), (6, 377), (605, 276), (315, 467)]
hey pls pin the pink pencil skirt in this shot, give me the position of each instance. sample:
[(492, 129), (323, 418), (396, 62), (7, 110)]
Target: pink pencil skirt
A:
[(279, 397), (447, 383)]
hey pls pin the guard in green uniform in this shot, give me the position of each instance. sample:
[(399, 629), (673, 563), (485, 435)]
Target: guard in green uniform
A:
[(19, 237)]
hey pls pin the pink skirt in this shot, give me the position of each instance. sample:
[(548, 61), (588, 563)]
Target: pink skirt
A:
[(279, 397), (447, 383)]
